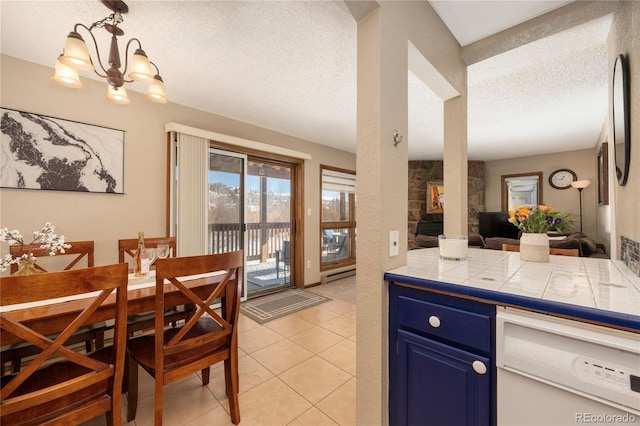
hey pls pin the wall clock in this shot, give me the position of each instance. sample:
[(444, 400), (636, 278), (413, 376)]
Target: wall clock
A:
[(562, 178)]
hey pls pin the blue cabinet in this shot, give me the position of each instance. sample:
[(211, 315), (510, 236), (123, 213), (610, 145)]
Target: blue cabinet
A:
[(442, 366)]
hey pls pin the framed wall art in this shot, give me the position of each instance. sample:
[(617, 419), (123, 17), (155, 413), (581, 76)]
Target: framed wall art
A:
[(603, 174), (41, 152), (435, 197)]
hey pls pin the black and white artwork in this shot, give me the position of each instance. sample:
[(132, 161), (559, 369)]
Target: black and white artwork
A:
[(40, 152)]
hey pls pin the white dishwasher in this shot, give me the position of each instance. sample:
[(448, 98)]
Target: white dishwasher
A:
[(552, 371)]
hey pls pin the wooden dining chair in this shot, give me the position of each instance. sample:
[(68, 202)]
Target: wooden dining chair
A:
[(564, 252), (552, 250), (510, 247), (205, 339), (127, 247), (80, 254), (61, 385), (72, 256), (145, 321)]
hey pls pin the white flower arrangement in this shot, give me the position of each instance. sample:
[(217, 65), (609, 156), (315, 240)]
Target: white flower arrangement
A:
[(46, 237)]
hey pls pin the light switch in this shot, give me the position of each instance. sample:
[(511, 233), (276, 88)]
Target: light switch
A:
[(394, 241), (309, 212)]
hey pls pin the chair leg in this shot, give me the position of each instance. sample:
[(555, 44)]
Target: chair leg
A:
[(231, 384), (125, 374), (132, 388), (158, 400), (109, 418), (205, 376)]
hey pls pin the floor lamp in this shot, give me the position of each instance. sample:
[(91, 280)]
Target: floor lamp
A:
[(580, 185)]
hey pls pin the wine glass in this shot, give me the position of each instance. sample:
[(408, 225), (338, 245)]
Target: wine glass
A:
[(162, 250), (152, 255)]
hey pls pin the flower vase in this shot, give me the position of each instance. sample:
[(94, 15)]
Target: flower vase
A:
[(27, 267), (534, 247)]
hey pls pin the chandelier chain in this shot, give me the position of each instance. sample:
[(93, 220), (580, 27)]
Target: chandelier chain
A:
[(114, 19)]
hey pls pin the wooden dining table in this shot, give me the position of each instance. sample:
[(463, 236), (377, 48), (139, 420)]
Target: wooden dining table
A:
[(51, 316)]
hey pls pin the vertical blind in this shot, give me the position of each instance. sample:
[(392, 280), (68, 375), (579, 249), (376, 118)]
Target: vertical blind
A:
[(191, 203)]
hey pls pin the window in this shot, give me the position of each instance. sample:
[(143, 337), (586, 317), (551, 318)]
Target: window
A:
[(338, 218)]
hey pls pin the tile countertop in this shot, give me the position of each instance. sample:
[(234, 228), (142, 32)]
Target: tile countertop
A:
[(589, 289)]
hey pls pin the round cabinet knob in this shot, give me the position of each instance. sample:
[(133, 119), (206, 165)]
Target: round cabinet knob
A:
[(434, 321), (479, 367)]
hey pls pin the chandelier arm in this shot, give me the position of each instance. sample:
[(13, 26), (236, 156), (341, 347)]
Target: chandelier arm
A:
[(126, 56), (95, 44), (156, 67)]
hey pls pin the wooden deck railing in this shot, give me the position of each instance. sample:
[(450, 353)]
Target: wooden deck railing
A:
[(263, 239)]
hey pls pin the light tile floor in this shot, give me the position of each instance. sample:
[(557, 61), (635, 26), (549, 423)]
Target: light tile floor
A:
[(298, 370)]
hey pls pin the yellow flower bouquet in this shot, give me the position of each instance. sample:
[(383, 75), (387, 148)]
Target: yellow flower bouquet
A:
[(539, 219)]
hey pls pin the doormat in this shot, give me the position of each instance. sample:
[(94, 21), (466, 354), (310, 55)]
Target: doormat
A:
[(266, 308)]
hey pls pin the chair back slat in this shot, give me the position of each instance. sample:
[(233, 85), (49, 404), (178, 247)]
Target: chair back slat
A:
[(76, 253), (73, 382), (127, 247), (176, 343), (39, 286)]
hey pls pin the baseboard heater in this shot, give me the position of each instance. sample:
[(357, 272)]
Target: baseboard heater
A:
[(327, 278)]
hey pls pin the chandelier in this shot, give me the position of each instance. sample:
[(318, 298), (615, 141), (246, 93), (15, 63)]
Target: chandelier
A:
[(75, 57)]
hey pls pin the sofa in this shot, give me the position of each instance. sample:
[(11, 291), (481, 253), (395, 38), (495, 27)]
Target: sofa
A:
[(586, 246)]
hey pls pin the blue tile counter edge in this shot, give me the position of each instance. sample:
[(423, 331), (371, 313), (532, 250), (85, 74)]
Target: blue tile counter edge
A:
[(616, 319)]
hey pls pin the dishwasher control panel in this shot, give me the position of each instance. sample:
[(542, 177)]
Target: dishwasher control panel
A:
[(604, 373), (586, 359)]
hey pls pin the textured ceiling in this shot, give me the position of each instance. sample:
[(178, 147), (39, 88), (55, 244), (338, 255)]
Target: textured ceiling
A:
[(470, 21), (290, 66)]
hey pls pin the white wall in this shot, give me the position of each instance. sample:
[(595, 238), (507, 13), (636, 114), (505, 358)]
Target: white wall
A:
[(105, 218)]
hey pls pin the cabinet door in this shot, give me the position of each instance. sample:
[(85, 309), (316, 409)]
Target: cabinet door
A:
[(438, 385)]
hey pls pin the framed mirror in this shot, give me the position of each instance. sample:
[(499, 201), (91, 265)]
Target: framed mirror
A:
[(521, 188), (621, 134)]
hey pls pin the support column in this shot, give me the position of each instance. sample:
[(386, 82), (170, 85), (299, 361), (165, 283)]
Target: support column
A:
[(455, 166), (382, 169)]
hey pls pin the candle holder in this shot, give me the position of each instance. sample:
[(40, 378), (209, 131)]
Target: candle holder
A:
[(453, 247)]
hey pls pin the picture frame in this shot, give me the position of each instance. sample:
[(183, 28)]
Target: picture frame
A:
[(49, 153), (603, 174), (435, 197)]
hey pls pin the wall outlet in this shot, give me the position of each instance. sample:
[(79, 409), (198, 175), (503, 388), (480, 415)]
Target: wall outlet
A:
[(308, 264), (394, 241)]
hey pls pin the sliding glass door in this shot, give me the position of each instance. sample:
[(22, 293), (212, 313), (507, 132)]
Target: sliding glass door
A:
[(226, 203), (269, 226), (251, 213)]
